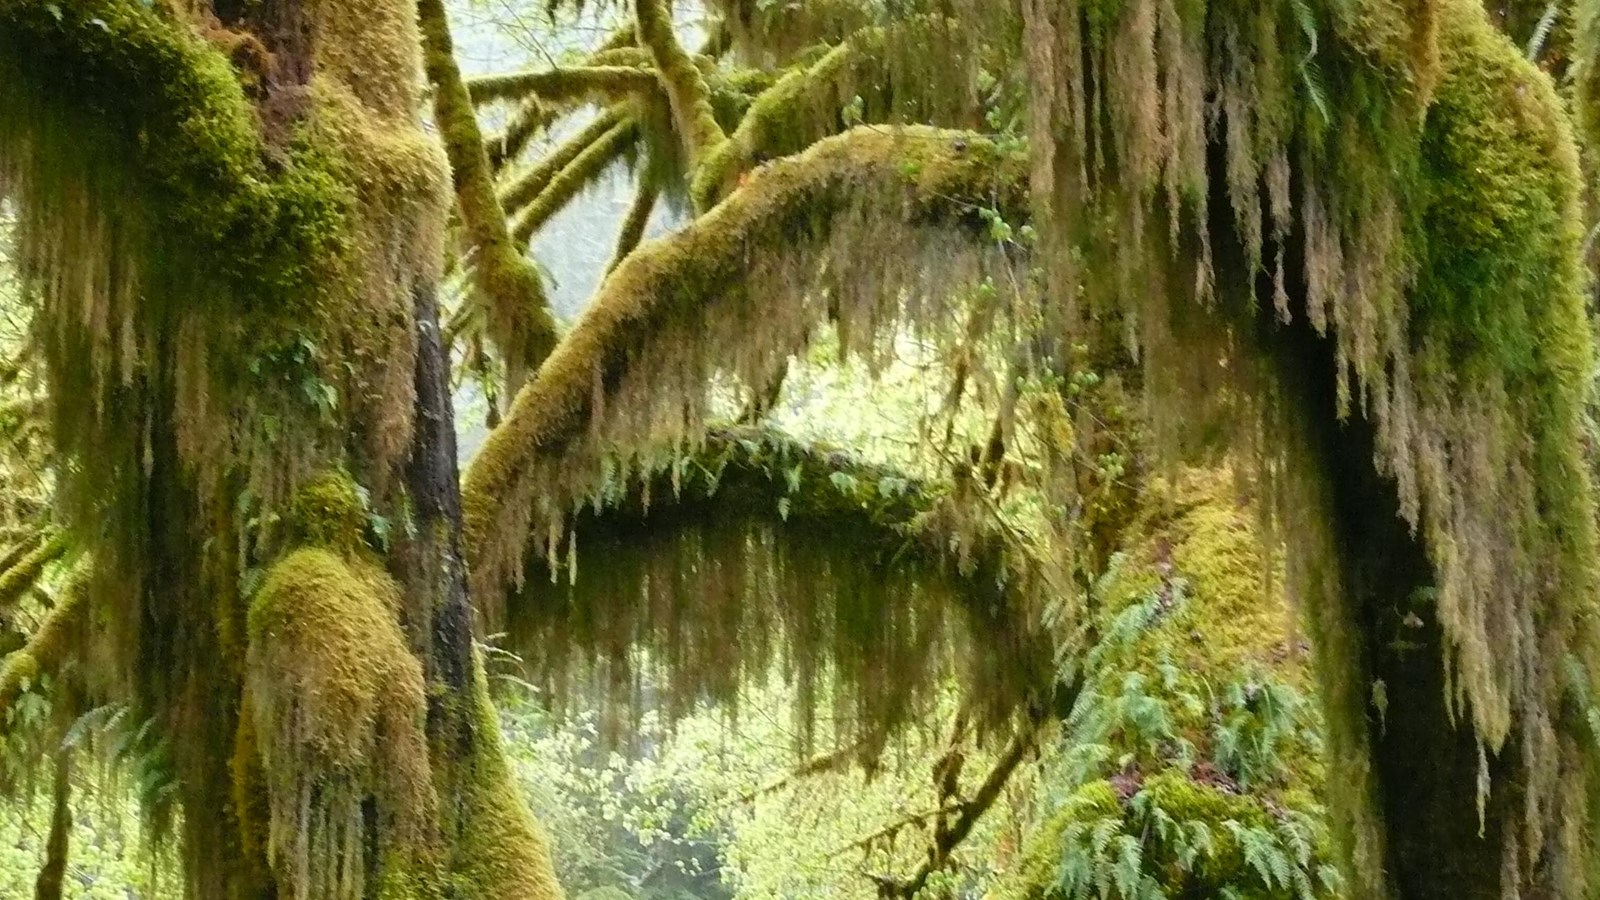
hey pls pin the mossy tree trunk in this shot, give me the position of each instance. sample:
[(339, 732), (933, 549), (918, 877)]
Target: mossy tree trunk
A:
[(268, 482)]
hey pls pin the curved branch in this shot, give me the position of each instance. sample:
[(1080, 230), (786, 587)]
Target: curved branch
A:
[(823, 555), (505, 281), (685, 85), (911, 185)]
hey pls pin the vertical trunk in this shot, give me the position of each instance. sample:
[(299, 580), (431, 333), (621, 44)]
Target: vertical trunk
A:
[(49, 884)]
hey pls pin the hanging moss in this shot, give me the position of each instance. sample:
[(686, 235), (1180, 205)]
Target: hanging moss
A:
[(683, 81), (642, 351), (757, 551), (918, 70), (338, 704)]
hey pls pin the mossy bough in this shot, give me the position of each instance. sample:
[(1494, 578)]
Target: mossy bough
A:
[(911, 187), (755, 550)]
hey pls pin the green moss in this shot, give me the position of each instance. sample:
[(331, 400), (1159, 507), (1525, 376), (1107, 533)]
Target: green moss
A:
[(508, 284), (329, 512), (172, 122), (25, 572), (685, 84), (50, 645), (503, 854), (869, 71), (338, 705), (925, 177)]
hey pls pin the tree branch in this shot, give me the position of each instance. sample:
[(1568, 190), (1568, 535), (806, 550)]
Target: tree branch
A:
[(25, 573), (564, 184), (47, 647), (926, 177), (684, 83), (947, 839), (634, 223), (565, 86), (519, 321)]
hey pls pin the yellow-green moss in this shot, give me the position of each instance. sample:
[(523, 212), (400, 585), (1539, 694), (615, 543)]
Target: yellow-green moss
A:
[(683, 81), (508, 284), (922, 177), (50, 645), (25, 572), (328, 512), (339, 704), (502, 854)]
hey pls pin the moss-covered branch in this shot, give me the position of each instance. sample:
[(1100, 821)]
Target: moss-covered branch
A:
[(561, 185), (685, 84), (844, 563), (912, 68), (905, 179), (564, 86), (634, 223), (519, 321), (56, 638), (24, 574), (528, 183)]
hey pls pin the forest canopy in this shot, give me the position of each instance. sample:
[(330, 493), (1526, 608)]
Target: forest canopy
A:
[(1089, 448)]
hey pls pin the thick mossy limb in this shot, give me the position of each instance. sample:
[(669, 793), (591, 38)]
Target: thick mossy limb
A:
[(50, 645), (17, 579), (338, 704), (501, 853), (904, 178), (756, 550), (507, 283), (685, 84)]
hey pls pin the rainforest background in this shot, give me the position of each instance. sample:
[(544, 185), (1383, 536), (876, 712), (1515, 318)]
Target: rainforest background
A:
[(798, 448)]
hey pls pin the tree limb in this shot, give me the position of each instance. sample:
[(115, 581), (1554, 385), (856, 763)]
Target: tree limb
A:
[(633, 224), (519, 321), (47, 647), (565, 183), (564, 86), (916, 175), (685, 85)]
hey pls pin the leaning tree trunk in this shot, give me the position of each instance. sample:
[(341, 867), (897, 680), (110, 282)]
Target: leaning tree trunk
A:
[(231, 218)]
